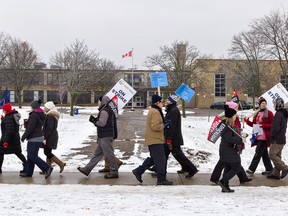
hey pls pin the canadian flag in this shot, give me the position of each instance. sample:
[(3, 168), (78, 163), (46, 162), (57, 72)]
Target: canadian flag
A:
[(128, 54)]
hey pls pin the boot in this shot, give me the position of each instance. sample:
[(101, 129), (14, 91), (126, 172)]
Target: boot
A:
[(225, 186), (49, 162), (59, 163)]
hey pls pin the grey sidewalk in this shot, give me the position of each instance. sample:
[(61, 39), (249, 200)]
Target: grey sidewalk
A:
[(127, 178)]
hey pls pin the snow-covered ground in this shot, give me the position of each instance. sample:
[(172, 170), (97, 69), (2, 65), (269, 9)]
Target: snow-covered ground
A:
[(138, 200)]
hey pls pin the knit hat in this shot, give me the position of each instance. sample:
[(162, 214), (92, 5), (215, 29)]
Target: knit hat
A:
[(36, 104), (156, 98), (229, 112), (232, 104), (49, 105), (7, 107), (173, 99), (261, 99), (279, 103)]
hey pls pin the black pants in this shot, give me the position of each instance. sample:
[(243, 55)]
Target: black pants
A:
[(261, 152), (158, 159), (185, 163), (48, 152), (216, 174), (231, 169), (19, 155)]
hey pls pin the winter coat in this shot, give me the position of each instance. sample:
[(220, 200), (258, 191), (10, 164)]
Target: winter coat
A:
[(279, 125), (173, 125), (34, 125), (154, 127), (266, 122), (228, 146), (50, 129), (10, 133), (106, 120)]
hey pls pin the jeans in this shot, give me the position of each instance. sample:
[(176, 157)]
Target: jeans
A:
[(33, 158)]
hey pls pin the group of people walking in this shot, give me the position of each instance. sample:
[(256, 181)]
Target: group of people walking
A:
[(40, 132), (270, 133), (163, 136)]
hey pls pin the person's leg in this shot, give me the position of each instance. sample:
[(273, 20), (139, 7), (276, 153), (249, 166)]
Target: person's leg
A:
[(184, 161), (1, 162), (266, 160), (231, 170), (108, 152), (260, 148), (23, 159), (243, 176), (275, 154), (158, 156), (98, 154), (33, 156), (216, 174)]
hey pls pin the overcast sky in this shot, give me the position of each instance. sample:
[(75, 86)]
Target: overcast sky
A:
[(113, 27)]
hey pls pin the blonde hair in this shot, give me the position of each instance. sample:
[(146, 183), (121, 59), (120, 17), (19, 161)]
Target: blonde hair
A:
[(230, 121)]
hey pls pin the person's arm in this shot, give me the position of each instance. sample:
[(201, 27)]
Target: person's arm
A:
[(102, 121)]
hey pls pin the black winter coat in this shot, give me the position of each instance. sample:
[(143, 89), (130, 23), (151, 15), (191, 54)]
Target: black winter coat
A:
[(50, 129), (173, 125), (228, 150), (34, 125), (279, 125), (10, 133)]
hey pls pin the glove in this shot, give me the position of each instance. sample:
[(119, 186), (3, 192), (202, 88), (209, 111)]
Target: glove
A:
[(6, 144), (92, 119), (169, 144)]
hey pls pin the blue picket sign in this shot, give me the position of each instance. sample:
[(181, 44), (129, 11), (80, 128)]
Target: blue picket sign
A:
[(158, 79), (185, 92)]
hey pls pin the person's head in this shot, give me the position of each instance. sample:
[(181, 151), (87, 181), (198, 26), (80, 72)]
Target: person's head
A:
[(99, 100), (172, 99), (104, 100), (7, 108), (262, 103), (35, 104), (157, 100), (233, 105), (230, 115), (49, 106), (278, 103)]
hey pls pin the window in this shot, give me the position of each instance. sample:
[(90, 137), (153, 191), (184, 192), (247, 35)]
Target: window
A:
[(220, 85), (12, 96)]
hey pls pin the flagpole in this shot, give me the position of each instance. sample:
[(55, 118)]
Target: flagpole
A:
[(132, 109)]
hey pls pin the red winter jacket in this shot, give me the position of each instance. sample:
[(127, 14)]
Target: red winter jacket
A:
[(266, 123)]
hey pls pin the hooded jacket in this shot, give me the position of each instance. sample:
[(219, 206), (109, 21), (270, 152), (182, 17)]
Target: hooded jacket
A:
[(50, 129), (34, 124), (279, 126)]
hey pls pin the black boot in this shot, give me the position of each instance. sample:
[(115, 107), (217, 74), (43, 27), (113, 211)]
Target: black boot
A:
[(225, 186)]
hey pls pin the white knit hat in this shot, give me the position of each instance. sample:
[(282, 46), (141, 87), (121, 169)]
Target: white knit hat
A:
[(49, 105)]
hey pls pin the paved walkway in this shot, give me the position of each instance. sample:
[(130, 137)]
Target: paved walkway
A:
[(127, 178)]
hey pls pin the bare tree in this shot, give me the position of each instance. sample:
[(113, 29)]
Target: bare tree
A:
[(106, 76), (273, 30), (182, 64), (79, 66), (247, 48), (4, 48), (17, 65)]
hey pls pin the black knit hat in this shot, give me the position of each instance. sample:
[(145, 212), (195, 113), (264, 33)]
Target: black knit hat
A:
[(36, 104), (229, 112), (156, 98)]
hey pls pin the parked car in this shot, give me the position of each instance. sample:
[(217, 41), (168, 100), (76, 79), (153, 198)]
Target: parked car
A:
[(244, 106), (218, 105)]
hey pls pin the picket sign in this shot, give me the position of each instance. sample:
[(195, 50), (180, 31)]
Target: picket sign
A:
[(158, 79), (123, 91), (276, 91), (185, 92)]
